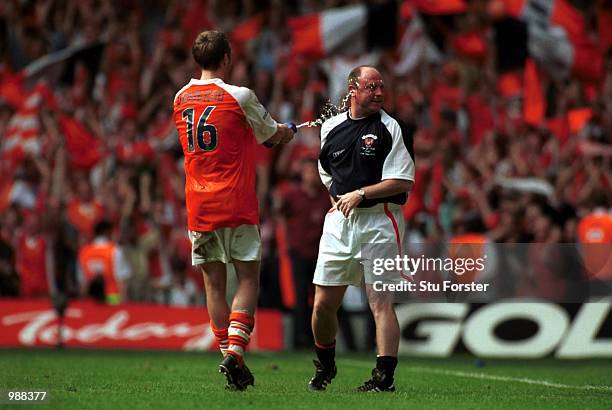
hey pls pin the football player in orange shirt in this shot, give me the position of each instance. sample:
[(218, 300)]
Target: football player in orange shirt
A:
[(219, 125)]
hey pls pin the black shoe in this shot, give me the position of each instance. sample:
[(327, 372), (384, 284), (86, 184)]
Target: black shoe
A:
[(378, 383), (322, 377), (238, 378), (246, 378)]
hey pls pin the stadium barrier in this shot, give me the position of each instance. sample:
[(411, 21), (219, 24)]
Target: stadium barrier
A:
[(35, 323), (509, 329)]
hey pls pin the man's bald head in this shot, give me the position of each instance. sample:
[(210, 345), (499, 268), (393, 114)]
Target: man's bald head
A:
[(355, 74), (365, 86)]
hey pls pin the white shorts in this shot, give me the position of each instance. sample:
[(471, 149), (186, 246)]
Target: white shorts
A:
[(225, 245), (340, 261)]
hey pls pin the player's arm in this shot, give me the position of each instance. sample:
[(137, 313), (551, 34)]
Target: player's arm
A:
[(383, 189), (265, 128), (283, 135), (388, 187)]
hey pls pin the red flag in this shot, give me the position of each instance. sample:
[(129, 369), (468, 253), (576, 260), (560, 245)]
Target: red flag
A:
[(441, 6), (247, 30), (354, 27), (604, 24), (470, 45), (83, 148), (317, 35), (557, 39), (23, 134), (588, 64), (566, 16), (558, 126), (534, 104), (509, 84), (499, 9), (406, 10), (514, 8), (6, 184), (11, 89), (306, 35)]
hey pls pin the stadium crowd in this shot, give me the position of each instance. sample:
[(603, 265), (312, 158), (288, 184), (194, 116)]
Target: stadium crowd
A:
[(88, 142)]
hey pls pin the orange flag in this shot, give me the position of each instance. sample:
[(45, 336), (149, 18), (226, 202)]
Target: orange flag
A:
[(285, 270), (577, 118), (534, 104)]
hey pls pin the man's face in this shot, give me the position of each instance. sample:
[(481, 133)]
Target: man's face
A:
[(367, 94)]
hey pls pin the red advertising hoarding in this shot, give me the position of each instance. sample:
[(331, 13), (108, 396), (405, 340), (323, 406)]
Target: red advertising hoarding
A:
[(34, 323)]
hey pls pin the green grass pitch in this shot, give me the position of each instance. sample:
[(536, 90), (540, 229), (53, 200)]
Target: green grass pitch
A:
[(81, 379)]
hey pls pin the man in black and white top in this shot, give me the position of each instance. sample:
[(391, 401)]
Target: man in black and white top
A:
[(367, 164)]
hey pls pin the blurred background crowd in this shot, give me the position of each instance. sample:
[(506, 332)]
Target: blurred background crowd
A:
[(509, 102)]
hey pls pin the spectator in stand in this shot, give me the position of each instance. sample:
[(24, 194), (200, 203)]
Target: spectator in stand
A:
[(463, 97), (301, 208), (103, 268), (34, 258)]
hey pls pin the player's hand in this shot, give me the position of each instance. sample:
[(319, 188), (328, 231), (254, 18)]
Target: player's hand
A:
[(284, 133), (347, 202), (289, 130)]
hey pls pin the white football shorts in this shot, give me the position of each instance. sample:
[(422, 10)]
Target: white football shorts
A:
[(340, 260), (225, 245)]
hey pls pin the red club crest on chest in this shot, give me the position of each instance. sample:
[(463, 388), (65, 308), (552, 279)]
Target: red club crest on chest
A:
[(368, 144)]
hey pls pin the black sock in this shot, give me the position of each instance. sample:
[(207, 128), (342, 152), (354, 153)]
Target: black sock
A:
[(326, 354), (387, 364)]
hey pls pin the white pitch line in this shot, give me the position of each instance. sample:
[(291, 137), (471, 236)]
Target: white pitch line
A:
[(484, 376), (511, 379)]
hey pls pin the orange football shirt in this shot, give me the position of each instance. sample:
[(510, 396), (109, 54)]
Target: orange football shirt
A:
[(218, 126)]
